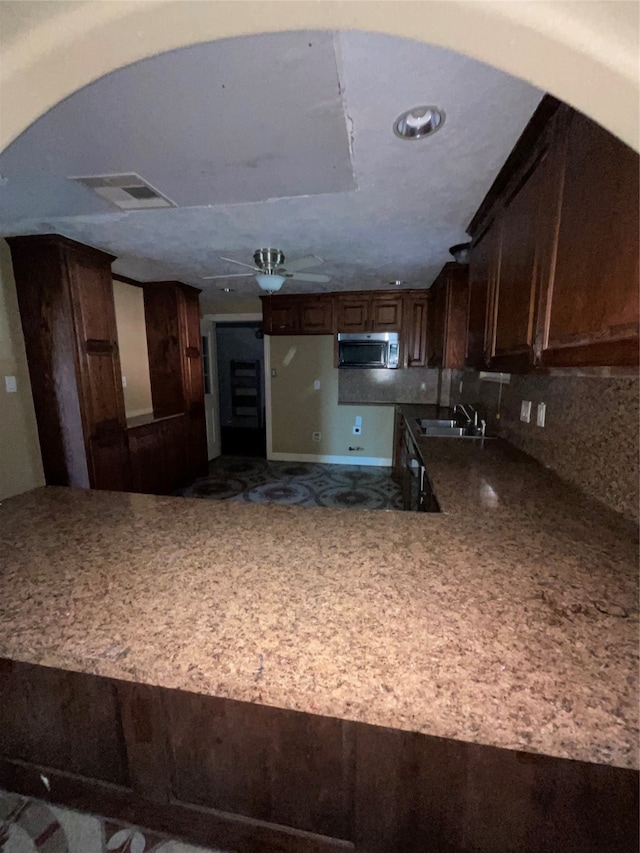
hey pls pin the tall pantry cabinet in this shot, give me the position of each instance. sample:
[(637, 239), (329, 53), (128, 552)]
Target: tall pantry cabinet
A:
[(65, 294)]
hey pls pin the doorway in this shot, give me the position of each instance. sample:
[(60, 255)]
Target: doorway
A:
[(241, 388)]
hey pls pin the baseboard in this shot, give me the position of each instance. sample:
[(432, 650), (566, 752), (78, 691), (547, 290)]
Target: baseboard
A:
[(378, 461)]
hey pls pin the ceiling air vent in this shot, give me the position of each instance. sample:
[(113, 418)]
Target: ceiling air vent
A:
[(127, 192)]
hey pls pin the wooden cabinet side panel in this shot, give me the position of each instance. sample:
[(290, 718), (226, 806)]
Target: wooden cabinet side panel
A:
[(483, 267), (436, 321), (191, 348), (595, 293), (456, 318), (47, 324)]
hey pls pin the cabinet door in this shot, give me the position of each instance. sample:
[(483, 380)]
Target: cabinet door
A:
[(108, 461), (353, 313), (280, 315), (523, 262), (100, 378), (483, 270), (316, 316), (145, 449), (592, 312), (161, 312), (386, 313), (415, 320), (437, 310), (191, 347), (175, 459)]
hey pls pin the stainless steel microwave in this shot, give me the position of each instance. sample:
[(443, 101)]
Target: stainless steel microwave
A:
[(368, 349)]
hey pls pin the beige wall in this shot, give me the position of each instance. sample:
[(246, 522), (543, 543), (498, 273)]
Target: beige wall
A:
[(132, 343), (20, 462), (298, 409), (238, 305)]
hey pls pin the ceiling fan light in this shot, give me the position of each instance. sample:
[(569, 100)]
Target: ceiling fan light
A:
[(270, 283)]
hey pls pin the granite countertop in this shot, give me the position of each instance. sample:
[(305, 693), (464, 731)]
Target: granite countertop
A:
[(509, 619), (149, 418)]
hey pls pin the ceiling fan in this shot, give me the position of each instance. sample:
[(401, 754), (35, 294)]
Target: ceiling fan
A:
[(270, 272)]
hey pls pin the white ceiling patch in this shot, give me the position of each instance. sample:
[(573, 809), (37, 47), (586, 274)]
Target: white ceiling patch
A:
[(126, 192)]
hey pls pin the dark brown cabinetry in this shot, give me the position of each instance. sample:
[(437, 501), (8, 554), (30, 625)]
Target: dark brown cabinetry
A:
[(415, 325), (554, 258), (448, 313), (591, 309), (298, 315), (369, 312), (68, 317), (158, 449), (172, 317)]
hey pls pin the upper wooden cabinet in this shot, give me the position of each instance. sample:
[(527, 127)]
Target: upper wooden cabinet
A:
[(415, 316), (369, 312), (591, 307), (65, 295), (448, 317), (298, 315), (554, 259)]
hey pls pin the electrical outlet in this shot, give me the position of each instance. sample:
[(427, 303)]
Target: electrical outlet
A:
[(316, 436), (124, 381), (356, 430), (541, 414), (525, 411), (11, 384), (316, 384)]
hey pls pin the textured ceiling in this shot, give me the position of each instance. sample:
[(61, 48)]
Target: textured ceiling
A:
[(277, 140)]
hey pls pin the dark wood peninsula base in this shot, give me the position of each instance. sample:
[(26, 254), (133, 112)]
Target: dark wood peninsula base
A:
[(252, 778)]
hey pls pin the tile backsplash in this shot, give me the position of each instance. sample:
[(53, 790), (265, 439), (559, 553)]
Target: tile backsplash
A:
[(409, 385), (590, 435)]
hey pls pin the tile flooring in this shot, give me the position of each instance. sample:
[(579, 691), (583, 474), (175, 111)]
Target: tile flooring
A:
[(298, 483), (32, 826)]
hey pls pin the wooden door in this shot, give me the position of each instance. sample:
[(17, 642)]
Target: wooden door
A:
[(591, 310), (280, 315), (386, 313), (146, 451), (415, 321), (317, 315), (353, 313)]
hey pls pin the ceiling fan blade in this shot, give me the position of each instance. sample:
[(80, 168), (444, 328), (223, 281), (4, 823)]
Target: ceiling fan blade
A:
[(303, 276), (229, 275), (303, 263), (240, 263)]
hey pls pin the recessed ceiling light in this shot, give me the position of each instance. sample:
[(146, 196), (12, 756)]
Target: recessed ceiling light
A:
[(226, 289), (397, 283), (418, 122)]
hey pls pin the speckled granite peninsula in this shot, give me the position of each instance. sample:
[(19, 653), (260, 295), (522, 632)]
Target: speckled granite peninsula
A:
[(510, 619)]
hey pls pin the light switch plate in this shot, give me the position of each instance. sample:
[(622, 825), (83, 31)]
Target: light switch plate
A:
[(358, 420), (124, 381), (11, 384), (525, 411), (541, 414)]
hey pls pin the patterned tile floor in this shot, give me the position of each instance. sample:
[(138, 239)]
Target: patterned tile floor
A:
[(32, 826), (237, 478)]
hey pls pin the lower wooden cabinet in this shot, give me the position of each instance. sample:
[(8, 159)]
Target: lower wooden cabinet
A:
[(159, 456), (253, 778)]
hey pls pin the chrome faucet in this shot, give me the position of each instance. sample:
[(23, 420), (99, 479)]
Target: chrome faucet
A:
[(459, 407)]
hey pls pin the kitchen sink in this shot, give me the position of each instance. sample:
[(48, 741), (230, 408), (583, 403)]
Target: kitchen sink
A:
[(445, 431), (436, 423)]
